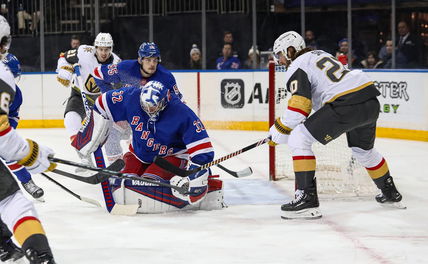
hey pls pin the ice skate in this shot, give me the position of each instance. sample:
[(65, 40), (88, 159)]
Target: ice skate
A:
[(34, 190), (390, 197), (10, 252), (39, 258), (304, 206)]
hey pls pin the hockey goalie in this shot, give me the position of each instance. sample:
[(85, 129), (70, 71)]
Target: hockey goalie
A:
[(164, 126)]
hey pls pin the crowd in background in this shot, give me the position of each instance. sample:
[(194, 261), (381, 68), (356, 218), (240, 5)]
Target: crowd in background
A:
[(408, 53)]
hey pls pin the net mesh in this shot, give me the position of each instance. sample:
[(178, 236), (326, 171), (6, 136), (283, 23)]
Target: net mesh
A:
[(338, 173)]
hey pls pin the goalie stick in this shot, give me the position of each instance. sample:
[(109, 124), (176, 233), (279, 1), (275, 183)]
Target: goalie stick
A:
[(81, 198), (164, 164), (105, 173)]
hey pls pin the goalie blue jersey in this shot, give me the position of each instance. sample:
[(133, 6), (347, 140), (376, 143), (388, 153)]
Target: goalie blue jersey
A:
[(128, 73), (176, 131)]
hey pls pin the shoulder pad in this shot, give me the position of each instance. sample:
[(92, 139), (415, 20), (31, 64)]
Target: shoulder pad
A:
[(71, 56)]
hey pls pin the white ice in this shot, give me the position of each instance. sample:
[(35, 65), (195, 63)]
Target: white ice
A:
[(250, 230)]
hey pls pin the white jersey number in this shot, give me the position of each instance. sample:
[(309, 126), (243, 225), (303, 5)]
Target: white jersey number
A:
[(5, 102), (332, 67)]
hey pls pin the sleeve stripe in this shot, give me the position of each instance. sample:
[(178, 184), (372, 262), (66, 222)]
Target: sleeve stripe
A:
[(14, 166), (201, 151), (297, 110), (195, 143), (204, 147), (102, 107), (4, 132), (98, 73)]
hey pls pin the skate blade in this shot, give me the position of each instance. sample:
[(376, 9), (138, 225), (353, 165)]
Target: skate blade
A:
[(311, 213), (20, 261), (40, 199), (396, 205)]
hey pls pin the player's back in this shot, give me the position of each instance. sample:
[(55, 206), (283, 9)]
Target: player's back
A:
[(328, 78)]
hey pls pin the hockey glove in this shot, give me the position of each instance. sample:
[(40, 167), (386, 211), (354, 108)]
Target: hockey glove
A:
[(197, 184), (279, 133), (65, 74), (36, 160)]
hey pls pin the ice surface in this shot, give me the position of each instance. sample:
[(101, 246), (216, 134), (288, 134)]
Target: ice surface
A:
[(250, 230)]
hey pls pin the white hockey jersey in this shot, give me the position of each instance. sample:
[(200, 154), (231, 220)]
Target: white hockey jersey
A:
[(12, 145), (316, 78), (85, 56)]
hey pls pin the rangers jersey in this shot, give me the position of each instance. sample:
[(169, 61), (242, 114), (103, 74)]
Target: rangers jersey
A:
[(177, 130), (85, 56), (231, 63), (316, 78), (128, 74)]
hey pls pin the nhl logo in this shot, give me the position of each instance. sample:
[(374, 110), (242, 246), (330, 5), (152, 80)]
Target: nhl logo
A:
[(232, 93)]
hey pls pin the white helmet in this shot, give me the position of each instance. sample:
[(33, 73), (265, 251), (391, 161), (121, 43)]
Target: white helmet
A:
[(286, 40), (103, 40), (5, 37)]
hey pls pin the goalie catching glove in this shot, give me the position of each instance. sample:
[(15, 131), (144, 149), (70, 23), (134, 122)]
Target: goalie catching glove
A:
[(196, 184), (279, 133), (36, 160)]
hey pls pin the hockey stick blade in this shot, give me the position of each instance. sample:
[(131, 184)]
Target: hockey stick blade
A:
[(164, 164), (82, 198), (96, 178), (237, 174), (83, 166), (105, 173)]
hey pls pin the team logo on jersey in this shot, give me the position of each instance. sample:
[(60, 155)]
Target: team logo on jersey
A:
[(232, 93)]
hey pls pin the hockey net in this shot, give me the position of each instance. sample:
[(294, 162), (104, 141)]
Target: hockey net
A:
[(338, 173)]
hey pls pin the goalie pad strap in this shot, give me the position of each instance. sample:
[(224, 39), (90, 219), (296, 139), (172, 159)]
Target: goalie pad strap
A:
[(283, 129), (32, 155)]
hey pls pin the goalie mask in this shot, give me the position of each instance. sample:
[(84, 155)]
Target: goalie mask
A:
[(5, 38), (154, 98), (285, 41)]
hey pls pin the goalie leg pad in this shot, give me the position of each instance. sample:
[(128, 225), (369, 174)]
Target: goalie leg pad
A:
[(158, 199), (93, 134), (214, 199)]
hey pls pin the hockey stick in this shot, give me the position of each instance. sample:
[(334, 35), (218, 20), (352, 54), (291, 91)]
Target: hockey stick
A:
[(105, 173), (237, 174), (81, 198), (164, 164), (94, 179)]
